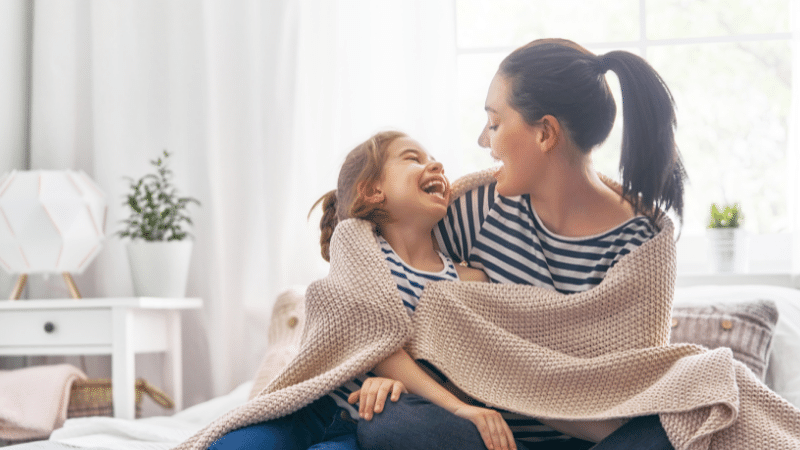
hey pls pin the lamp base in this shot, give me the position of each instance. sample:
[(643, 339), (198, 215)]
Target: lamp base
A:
[(16, 292)]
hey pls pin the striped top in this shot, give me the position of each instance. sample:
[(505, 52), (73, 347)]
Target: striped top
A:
[(505, 237), (410, 282)]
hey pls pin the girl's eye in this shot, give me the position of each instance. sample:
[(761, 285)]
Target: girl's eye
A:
[(493, 127)]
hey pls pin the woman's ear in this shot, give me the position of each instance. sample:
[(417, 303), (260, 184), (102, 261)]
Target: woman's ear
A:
[(370, 192), (550, 132)]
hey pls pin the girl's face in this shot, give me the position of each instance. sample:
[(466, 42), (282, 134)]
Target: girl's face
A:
[(413, 183), (512, 141)]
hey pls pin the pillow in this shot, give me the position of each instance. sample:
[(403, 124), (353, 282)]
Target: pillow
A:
[(746, 328), (783, 370), (283, 342)]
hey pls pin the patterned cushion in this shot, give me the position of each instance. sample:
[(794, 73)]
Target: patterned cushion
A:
[(746, 328)]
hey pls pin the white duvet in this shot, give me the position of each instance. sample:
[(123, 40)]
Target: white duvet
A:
[(152, 433)]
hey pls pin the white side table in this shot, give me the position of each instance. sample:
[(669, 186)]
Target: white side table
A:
[(120, 327)]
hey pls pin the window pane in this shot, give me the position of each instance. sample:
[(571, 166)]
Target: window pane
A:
[(681, 19), (733, 105), (511, 23)]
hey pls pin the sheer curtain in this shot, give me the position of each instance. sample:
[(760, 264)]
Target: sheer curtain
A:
[(258, 101), (793, 164), (14, 74)]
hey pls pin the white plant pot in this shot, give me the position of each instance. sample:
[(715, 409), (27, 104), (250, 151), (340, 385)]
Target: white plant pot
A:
[(727, 250), (159, 269)]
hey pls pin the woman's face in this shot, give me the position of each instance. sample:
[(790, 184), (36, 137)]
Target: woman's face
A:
[(512, 141)]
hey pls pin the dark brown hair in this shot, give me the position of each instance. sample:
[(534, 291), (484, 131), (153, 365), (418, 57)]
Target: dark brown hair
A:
[(560, 78), (362, 166)]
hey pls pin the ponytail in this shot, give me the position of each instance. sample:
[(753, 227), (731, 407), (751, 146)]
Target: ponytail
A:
[(327, 223), (560, 78), (650, 163)]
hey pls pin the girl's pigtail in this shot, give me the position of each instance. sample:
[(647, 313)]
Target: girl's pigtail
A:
[(650, 164), (327, 223)]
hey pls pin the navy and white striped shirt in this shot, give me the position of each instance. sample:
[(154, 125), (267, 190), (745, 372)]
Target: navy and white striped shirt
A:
[(505, 237), (410, 282)]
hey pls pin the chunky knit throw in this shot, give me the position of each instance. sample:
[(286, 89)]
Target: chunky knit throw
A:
[(595, 355)]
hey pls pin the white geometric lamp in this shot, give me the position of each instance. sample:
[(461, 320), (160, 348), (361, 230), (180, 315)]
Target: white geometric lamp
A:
[(50, 221)]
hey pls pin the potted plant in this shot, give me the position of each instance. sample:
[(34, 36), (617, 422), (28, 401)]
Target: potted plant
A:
[(160, 249), (725, 238)]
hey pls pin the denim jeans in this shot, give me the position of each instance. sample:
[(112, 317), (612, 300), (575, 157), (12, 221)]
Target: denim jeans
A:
[(642, 433), (320, 425), (414, 423)]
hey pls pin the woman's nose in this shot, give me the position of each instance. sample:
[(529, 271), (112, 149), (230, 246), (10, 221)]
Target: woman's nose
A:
[(483, 138)]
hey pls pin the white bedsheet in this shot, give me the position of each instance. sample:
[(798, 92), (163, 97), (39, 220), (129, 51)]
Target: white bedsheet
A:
[(153, 433)]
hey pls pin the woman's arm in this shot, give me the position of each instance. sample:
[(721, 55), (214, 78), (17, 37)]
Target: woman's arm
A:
[(466, 273), (400, 366)]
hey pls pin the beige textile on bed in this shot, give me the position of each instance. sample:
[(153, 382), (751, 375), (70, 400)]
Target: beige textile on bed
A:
[(596, 355)]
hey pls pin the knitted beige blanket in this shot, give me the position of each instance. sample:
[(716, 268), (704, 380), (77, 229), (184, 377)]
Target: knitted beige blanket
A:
[(596, 355)]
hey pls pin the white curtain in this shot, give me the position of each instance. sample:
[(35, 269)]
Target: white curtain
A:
[(793, 163), (259, 101), (14, 74)]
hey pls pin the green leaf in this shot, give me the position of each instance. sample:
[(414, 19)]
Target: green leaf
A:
[(157, 212)]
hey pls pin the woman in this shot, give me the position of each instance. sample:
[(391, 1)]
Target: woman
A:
[(550, 220)]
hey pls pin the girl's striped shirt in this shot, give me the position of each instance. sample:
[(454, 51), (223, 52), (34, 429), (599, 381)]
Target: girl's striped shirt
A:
[(410, 283)]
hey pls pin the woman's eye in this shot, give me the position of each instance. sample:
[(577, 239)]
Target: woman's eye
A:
[(493, 127)]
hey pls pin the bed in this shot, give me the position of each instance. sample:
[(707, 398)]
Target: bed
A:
[(761, 324)]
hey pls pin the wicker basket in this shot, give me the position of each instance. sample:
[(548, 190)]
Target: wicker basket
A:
[(94, 398)]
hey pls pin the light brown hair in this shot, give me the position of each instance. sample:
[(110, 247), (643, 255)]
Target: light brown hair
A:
[(362, 167)]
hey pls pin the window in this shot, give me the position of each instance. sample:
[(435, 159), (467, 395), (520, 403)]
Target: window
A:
[(728, 64)]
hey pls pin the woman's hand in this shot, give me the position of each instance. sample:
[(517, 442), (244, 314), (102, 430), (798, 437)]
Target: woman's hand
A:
[(372, 395), (493, 428)]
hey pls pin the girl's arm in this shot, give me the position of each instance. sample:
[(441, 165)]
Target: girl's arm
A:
[(400, 366)]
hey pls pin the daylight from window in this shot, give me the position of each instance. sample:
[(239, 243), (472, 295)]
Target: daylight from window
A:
[(727, 62)]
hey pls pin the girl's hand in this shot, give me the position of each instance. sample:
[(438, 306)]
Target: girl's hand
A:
[(372, 395), (493, 428)]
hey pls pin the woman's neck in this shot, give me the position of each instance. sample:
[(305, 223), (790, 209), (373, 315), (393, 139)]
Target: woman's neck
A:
[(414, 245), (572, 200)]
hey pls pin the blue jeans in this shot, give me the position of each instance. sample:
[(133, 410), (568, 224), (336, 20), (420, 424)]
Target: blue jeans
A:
[(642, 433), (320, 425), (414, 423)]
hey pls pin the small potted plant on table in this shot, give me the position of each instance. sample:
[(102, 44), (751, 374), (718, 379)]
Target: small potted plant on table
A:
[(160, 249), (725, 238)]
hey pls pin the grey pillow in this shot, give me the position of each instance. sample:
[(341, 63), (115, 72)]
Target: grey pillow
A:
[(746, 328)]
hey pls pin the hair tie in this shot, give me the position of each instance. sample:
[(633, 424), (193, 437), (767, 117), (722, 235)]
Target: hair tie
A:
[(603, 64)]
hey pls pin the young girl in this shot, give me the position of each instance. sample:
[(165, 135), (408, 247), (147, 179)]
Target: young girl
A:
[(391, 181)]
